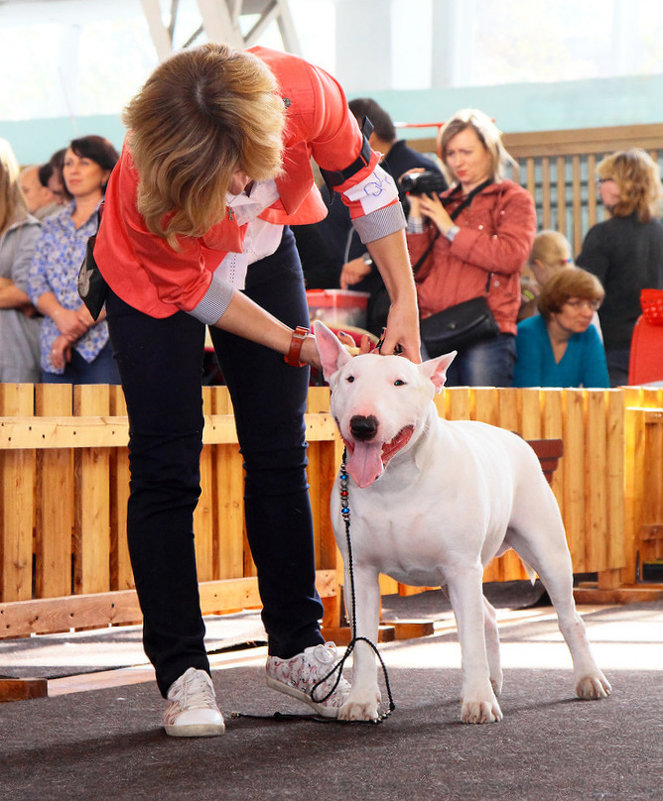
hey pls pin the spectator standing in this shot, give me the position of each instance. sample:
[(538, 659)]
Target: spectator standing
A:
[(19, 327), (625, 252), (41, 202), (482, 251), (74, 348), (560, 347)]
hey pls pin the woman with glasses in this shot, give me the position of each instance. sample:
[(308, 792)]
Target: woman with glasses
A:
[(626, 251), (560, 347)]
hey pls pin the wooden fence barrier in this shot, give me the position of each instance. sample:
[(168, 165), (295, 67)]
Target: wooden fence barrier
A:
[(64, 474), (64, 478)]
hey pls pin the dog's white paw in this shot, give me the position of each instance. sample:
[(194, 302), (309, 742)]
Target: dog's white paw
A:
[(481, 712), (593, 687), (364, 707)]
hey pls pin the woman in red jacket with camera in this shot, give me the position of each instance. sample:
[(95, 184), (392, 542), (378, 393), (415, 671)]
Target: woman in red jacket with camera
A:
[(482, 251)]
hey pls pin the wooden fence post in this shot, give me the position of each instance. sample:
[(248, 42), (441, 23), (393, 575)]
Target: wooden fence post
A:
[(55, 505), (17, 517), (91, 538)]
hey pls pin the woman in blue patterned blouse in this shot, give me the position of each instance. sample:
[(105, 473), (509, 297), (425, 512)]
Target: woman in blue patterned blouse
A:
[(74, 348)]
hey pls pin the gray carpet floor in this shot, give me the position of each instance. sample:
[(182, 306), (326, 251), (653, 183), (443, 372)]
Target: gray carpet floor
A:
[(108, 744)]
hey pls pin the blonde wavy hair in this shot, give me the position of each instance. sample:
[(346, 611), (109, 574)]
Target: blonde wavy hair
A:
[(551, 251), (638, 180), (11, 196), (489, 135), (550, 247), (201, 115)]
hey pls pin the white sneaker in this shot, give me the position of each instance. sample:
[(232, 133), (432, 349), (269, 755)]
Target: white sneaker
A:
[(298, 675), (192, 709)]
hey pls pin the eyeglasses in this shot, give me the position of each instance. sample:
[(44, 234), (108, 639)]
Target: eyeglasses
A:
[(578, 303)]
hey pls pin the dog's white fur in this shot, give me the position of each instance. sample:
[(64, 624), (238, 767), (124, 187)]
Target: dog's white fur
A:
[(447, 500)]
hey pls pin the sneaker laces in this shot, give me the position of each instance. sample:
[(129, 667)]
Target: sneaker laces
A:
[(324, 653), (194, 691), (327, 665), (326, 657)]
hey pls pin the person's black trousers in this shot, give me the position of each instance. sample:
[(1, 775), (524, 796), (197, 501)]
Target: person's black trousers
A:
[(160, 363)]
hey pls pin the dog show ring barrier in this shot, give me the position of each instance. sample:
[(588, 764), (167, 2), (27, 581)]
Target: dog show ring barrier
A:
[(64, 470), (64, 561)]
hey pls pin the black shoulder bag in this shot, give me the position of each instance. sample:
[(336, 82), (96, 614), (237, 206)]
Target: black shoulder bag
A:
[(463, 325), (91, 285)]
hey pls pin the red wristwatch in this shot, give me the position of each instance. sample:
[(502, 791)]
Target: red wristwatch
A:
[(298, 337)]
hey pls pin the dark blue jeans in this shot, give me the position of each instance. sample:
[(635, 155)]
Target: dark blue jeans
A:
[(102, 370), (487, 364), (160, 362), (618, 363)]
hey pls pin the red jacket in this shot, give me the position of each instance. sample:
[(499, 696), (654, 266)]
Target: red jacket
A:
[(496, 234), (149, 275)]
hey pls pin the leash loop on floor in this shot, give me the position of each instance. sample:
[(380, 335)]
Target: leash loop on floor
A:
[(338, 667)]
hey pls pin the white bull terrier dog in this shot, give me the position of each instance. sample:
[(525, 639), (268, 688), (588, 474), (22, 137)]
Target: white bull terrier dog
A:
[(431, 503)]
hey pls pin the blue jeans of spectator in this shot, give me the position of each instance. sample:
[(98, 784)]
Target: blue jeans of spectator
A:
[(160, 363), (102, 370), (618, 363), (486, 364)]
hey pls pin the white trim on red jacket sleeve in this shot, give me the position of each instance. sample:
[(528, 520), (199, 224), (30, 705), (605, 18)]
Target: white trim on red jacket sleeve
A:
[(374, 206), (380, 223), (214, 302)]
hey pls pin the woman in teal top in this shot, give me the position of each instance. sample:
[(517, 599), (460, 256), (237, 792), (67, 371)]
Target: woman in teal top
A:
[(560, 347)]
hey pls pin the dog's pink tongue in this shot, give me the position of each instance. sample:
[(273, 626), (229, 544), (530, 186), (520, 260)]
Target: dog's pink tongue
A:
[(365, 463)]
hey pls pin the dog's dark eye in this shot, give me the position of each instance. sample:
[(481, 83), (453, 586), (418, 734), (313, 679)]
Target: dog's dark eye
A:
[(350, 379), (399, 382)]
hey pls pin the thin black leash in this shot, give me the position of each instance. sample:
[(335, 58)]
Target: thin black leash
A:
[(338, 667)]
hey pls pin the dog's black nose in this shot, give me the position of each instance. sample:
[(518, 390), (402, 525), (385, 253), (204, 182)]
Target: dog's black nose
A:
[(363, 427)]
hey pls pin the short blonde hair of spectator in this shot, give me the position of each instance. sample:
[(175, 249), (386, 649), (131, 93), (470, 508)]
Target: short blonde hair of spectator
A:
[(489, 135), (638, 180), (566, 284), (551, 248), (11, 196), (201, 115)]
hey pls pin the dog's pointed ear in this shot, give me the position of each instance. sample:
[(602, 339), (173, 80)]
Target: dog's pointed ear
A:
[(436, 369), (332, 353)]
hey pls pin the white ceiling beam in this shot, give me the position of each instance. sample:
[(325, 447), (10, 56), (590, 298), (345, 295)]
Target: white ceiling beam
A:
[(267, 16), (161, 36), (219, 23), (288, 30)]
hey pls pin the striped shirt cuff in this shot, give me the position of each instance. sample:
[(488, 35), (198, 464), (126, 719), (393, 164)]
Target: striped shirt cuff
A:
[(214, 302), (379, 223), (416, 225)]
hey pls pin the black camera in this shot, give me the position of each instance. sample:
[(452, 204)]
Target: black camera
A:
[(419, 183), (423, 183)]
